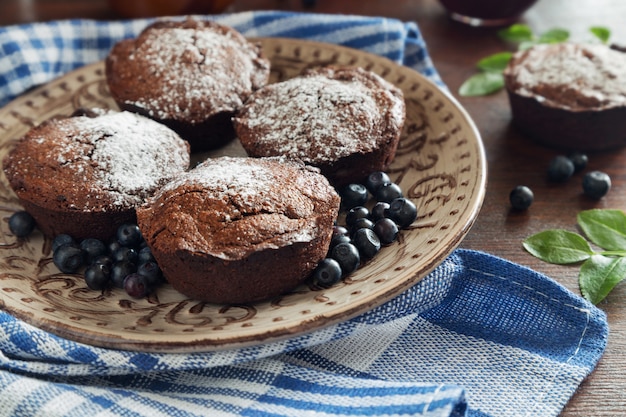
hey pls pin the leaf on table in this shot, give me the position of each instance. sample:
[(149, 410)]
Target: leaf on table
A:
[(517, 32), (481, 84), (606, 228), (601, 33), (495, 62), (599, 275), (556, 35), (558, 246)]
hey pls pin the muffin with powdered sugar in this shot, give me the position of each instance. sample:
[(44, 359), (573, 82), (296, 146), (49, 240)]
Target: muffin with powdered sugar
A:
[(346, 121), (85, 175), (191, 75), (240, 230), (569, 95)]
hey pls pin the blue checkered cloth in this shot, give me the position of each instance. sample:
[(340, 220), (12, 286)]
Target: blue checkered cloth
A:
[(479, 336)]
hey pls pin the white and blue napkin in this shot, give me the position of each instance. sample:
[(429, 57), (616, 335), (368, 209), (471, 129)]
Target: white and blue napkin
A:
[(478, 337)]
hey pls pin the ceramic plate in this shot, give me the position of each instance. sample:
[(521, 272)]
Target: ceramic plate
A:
[(440, 165)]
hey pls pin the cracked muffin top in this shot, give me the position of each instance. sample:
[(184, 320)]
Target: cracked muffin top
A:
[(322, 115), (231, 207), (344, 120), (97, 161), (185, 70)]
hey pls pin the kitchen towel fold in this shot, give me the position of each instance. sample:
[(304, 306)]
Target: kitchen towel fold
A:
[(479, 336)]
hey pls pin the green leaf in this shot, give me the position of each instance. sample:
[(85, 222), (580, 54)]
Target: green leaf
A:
[(558, 246), (606, 228), (495, 62), (516, 33), (599, 275), (601, 33), (481, 84), (554, 36)]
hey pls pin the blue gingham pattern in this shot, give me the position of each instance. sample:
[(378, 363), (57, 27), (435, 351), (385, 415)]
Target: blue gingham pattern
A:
[(479, 336), (34, 54)]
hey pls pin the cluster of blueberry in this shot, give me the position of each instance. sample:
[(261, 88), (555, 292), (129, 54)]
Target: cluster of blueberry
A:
[(126, 262), (595, 184), (366, 230)]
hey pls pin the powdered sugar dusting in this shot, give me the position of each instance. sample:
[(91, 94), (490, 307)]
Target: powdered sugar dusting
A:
[(315, 118), (191, 73), (594, 74), (123, 155), (227, 176)]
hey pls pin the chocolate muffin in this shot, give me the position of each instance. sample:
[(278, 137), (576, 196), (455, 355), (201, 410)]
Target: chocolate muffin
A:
[(569, 95), (240, 230), (346, 121), (85, 175), (190, 75)]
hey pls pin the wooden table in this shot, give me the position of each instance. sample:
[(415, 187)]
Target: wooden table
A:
[(512, 158)]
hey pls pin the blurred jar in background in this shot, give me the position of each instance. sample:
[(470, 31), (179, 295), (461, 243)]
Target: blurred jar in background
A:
[(486, 12), (153, 8)]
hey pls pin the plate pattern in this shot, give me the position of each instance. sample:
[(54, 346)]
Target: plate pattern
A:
[(440, 165)]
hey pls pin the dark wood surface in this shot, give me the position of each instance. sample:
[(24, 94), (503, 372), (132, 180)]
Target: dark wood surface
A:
[(512, 158)]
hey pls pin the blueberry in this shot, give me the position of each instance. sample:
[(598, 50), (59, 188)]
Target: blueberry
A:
[(68, 258), (359, 212), (125, 253), (152, 272), (93, 248), (21, 224), (379, 211), (114, 246), (62, 239), (362, 223), (103, 260), (388, 192), (579, 160), (521, 197), (402, 211), (337, 239), (145, 255), (98, 276), (375, 180), (386, 230), (347, 255), (560, 169), (353, 195), (327, 273), (596, 184), (129, 234), (340, 230), (120, 270), (366, 242), (136, 285)]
